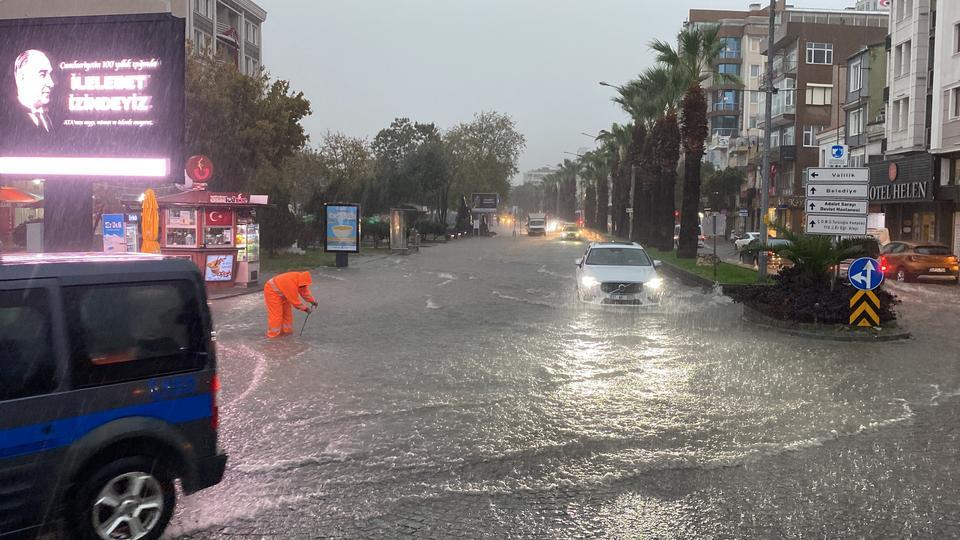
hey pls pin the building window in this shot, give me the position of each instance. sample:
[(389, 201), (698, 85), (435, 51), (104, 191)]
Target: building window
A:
[(789, 96), (729, 69), (202, 41), (253, 33), (901, 108), (857, 160), (755, 97), (955, 171), (788, 138), (775, 138), (904, 9), (251, 66), (855, 75), (819, 94), (954, 103), (754, 122), (820, 53), (810, 135), (755, 44), (754, 70), (730, 47), (901, 59), (855, 123), (205, 8)]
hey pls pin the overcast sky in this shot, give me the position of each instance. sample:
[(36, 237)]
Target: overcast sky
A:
[(362, 63)]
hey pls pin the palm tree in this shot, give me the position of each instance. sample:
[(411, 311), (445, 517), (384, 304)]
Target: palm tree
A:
[(692, 62), (617, 142), (595, 167), (569, 170)]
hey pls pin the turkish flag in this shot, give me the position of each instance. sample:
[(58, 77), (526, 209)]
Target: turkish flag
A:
[(219, 218)]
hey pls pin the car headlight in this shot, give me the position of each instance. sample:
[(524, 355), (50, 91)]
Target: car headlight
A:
[(654, 283), (589, 282)]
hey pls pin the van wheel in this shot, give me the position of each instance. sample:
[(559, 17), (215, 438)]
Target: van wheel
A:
[(131, 498)]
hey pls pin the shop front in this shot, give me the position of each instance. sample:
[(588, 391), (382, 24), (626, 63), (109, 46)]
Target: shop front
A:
[(905, 191), (217, 231)]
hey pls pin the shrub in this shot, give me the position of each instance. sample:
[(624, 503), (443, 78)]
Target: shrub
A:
[(795, 297)]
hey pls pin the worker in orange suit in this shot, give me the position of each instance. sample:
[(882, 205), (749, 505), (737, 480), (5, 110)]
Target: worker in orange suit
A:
[(282, 292)]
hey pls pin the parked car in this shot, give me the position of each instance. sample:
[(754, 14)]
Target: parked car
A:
[(750, 254), (742, 242), (869, 247), (907, 261), (618, 273), (570, 232), (108, 393), (701, 239)]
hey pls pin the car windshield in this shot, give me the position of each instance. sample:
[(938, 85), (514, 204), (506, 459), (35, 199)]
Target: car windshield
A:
[(932, 250), (618, 257), (570, 228)]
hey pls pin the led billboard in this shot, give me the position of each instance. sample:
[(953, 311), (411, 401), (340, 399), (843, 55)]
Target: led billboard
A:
[(92, 96)]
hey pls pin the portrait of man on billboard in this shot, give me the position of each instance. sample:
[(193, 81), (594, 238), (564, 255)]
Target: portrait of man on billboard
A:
[(33, 73)]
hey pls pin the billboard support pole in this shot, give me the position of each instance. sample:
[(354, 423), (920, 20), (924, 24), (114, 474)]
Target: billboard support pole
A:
[(342, 260)]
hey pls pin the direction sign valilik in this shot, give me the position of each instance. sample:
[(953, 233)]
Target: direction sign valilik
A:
[(856, 176), (839, 191), (839, 225), (836, 206)]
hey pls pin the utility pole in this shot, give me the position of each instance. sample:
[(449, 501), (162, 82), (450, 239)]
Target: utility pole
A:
[(765, 184)]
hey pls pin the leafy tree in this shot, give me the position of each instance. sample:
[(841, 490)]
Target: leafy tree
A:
[(484, 153), (721, 187), (249, 127), (692, 62), (393, 176), (528, 197)]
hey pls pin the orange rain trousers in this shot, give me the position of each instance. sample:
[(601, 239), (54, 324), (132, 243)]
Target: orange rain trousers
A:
[(282, 293)]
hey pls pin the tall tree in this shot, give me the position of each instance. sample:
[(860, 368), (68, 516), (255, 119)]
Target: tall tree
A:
[(594, 165), (617, 141), (248, 126), (484, 153), (693, 61)]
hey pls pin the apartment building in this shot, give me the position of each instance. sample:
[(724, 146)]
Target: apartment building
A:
[(229, 30), (734, 112), (808, 54), (915, 186)]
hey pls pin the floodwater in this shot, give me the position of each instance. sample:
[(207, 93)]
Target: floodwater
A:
[(462, 391)]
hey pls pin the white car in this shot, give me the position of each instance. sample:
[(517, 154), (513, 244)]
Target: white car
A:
[(741, 243), (618, 273)]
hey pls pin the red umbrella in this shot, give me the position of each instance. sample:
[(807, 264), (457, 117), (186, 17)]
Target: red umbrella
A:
[(13, 195)]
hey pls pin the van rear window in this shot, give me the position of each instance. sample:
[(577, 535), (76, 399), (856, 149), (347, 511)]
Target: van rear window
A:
[(27, 359), (127, 331)]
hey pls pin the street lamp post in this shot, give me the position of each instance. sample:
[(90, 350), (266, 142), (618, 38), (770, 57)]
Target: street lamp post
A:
[(768, 116)]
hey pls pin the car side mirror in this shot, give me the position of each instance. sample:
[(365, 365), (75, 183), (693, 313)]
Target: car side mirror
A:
[(579, 262), (657, 264)]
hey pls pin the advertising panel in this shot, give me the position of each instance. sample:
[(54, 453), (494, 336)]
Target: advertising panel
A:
[(114, 237), (219, 268), (343, 228), (92, 96)]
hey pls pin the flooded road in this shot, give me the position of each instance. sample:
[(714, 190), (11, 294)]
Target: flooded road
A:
[(463, 392)]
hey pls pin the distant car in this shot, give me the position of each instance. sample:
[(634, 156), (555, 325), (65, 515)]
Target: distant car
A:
[(570, 232), (742, 242), (618, 273), (869, 247), (750, 254), (906, 261), (701, 239)]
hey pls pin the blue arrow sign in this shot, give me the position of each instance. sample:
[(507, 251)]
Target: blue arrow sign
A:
[(837, 151), (865, 274)]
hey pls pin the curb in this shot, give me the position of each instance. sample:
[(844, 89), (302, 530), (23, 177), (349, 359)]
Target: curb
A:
[(685, 276), (756, 319)]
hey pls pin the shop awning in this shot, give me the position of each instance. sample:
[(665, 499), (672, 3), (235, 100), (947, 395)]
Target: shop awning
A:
[(16, 197)]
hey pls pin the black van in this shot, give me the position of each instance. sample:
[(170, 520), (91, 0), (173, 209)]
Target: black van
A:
[(108, 393)]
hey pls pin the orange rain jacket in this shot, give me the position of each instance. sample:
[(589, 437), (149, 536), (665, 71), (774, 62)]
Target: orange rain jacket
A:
[(292, 286)]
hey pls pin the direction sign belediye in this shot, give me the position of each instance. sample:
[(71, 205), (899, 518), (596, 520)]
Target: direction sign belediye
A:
[(833, 224), (836, 206), (837, 175), (839, 191)]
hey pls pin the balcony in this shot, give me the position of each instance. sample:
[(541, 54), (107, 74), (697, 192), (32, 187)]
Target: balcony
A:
[(729, 55)]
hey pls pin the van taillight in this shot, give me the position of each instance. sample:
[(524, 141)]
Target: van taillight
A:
[(215, 398)]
